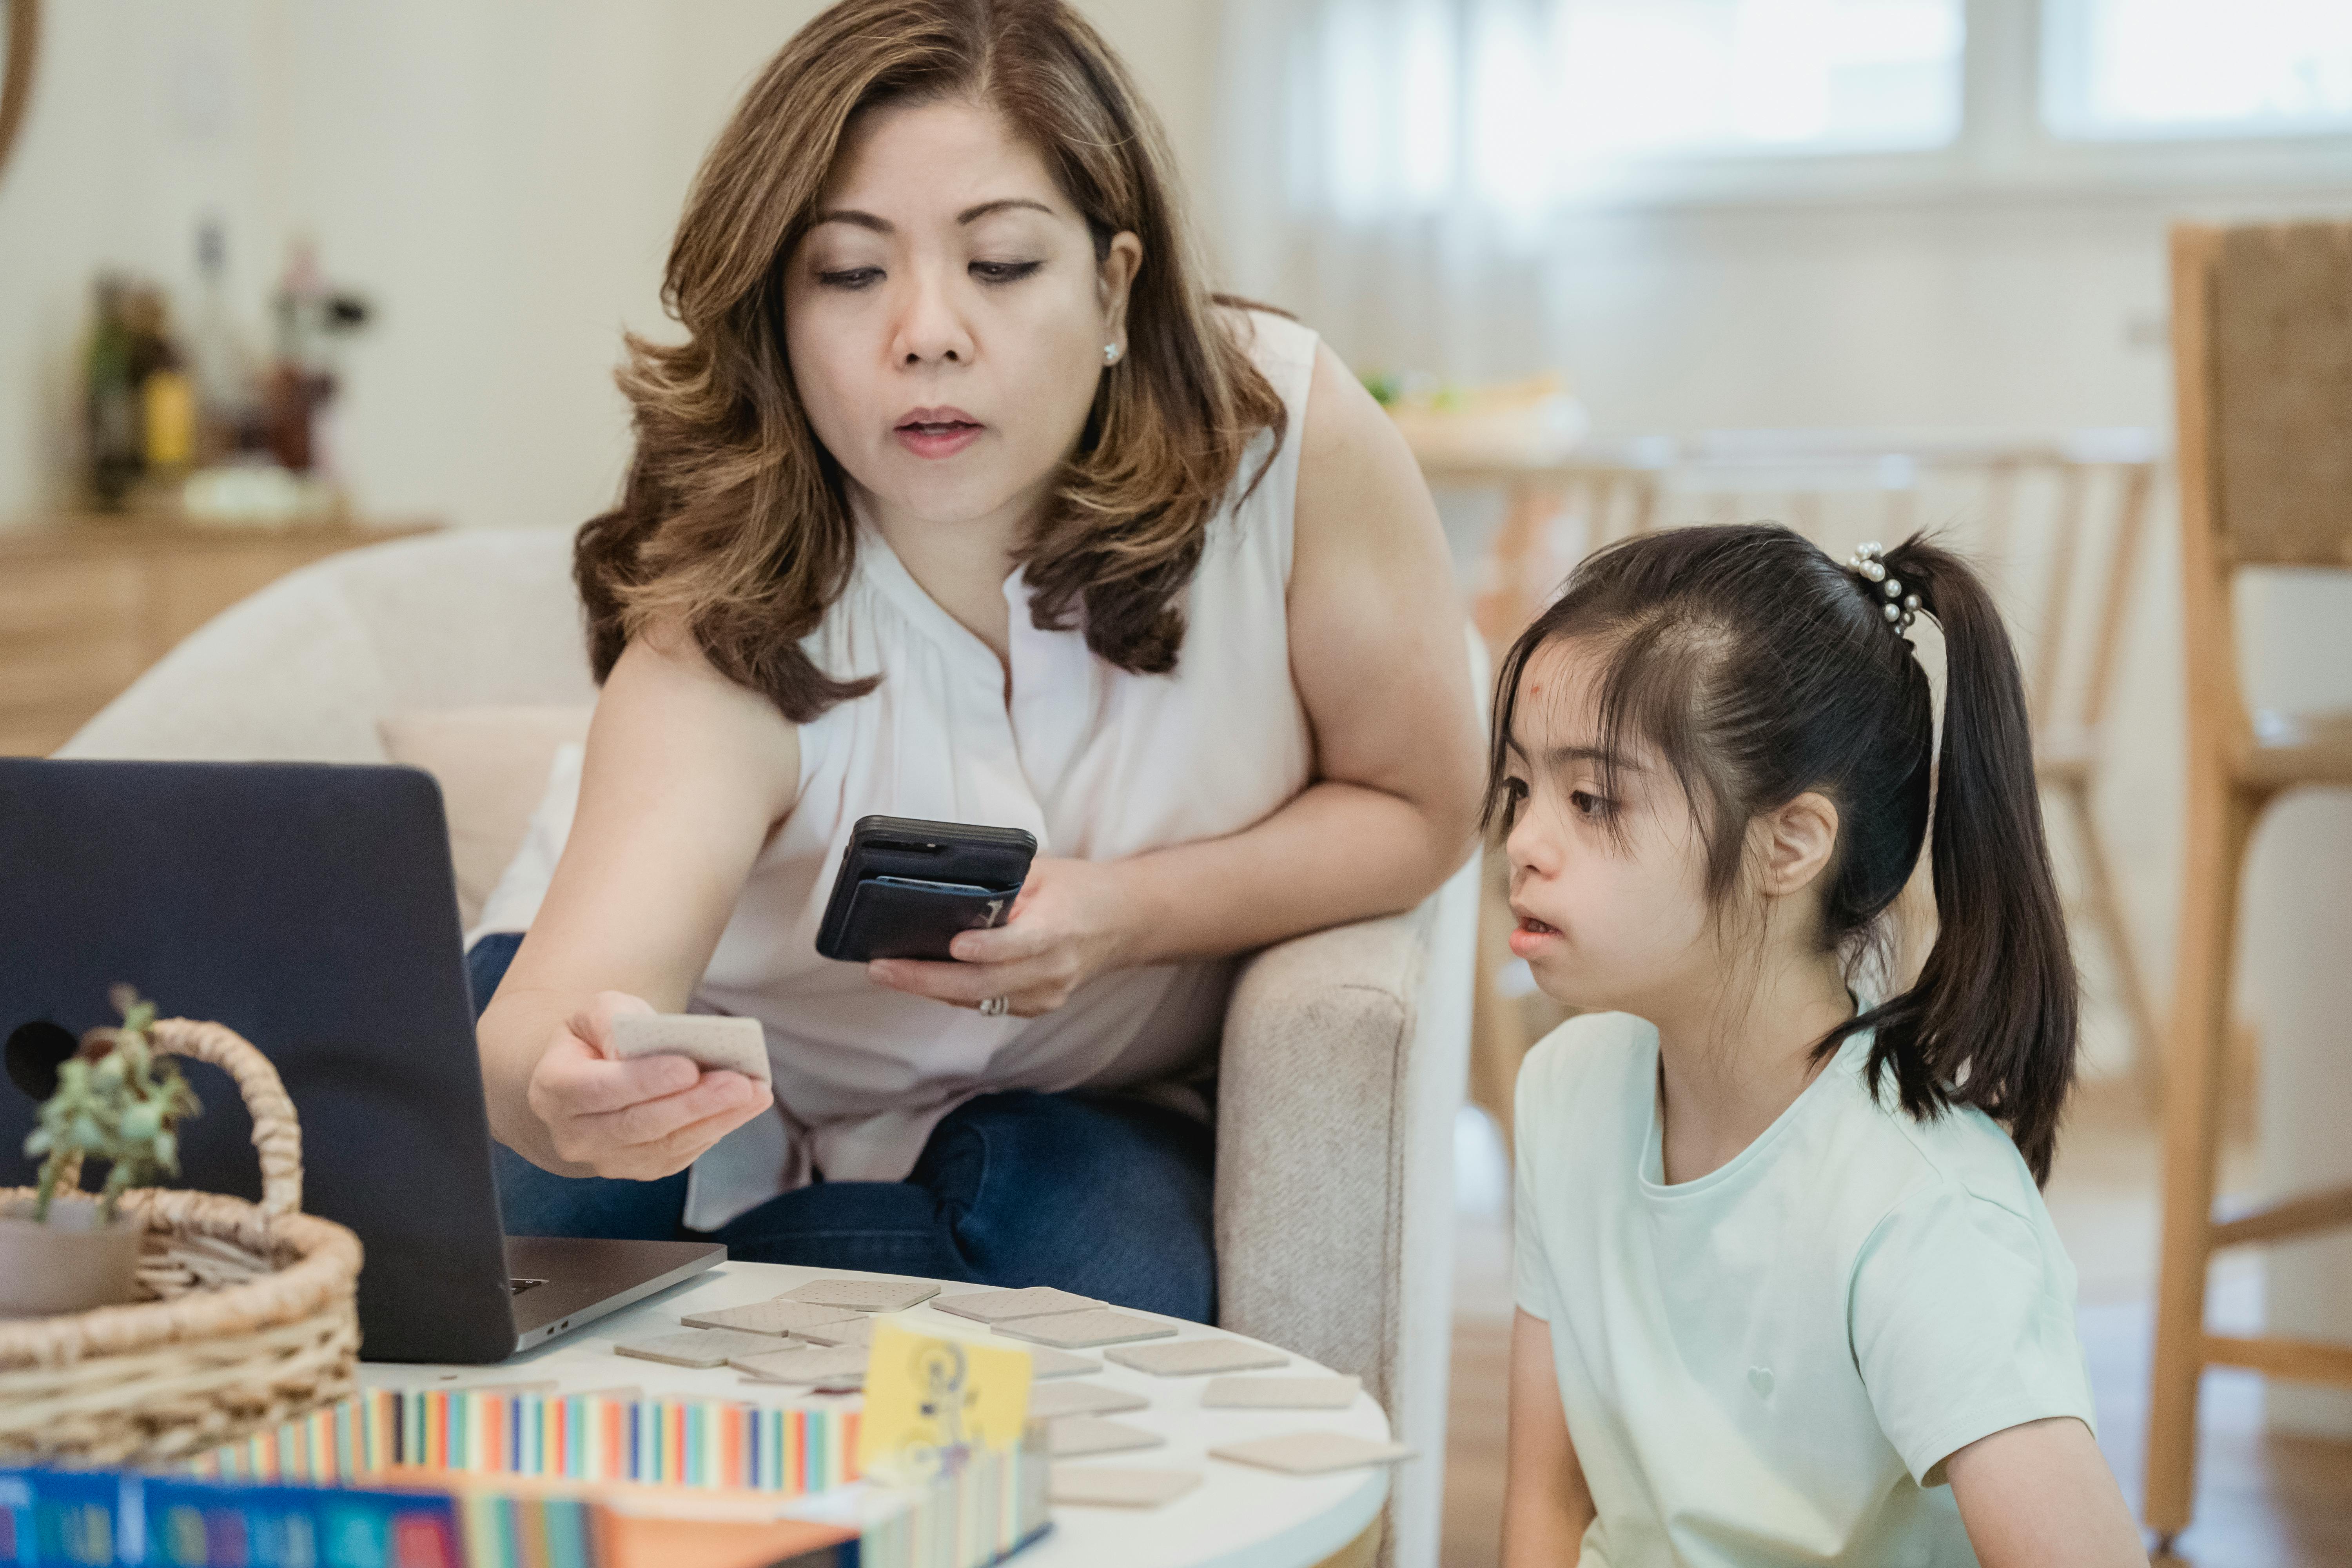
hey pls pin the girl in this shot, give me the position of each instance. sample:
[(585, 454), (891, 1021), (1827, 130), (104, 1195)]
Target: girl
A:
[(1784, 1268)]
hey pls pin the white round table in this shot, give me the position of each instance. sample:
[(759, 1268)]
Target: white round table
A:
[(1239, 1517)]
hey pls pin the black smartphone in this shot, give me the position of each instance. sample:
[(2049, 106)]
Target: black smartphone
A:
[(906, 888)]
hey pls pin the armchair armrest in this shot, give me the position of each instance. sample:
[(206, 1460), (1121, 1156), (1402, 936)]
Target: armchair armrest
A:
[(1344, 1059)]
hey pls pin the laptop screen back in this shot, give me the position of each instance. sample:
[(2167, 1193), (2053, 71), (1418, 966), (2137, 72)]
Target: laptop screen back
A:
[(309, 908)]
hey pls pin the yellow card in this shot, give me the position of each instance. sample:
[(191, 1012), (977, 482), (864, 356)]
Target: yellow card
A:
[(931, 1399)]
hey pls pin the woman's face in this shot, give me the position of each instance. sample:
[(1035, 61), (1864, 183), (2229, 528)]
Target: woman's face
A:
[(946, 315)]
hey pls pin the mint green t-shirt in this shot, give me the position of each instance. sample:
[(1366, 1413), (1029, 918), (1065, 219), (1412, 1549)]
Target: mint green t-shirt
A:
[(1769, 1364)]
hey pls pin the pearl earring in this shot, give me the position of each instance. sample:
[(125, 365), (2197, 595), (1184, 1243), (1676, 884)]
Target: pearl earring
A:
[(1110, 353)]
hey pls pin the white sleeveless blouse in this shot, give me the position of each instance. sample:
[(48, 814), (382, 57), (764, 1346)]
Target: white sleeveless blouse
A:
[(1096, 762)]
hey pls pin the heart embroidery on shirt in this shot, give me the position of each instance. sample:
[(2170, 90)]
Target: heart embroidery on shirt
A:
[(1759, 1378)]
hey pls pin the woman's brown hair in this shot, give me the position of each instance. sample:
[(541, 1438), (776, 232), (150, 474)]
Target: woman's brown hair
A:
[(734, 519)]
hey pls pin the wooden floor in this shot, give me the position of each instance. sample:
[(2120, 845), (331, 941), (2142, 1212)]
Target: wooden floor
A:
[(2263, 1502)]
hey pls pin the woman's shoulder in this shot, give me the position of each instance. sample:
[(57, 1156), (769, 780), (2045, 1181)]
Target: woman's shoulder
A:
[(1257, 526), (1283, 348), (667, 715), (1276, 342)]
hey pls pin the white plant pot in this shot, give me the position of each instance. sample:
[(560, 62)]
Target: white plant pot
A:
[(69, 1264)]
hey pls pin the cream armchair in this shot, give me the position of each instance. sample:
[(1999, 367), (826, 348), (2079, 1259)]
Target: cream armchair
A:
[(1344, 1052)]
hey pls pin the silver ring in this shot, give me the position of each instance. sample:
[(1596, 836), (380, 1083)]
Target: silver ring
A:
[(994, 1007)]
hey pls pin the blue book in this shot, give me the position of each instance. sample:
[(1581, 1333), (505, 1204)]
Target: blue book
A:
[(98, 1519)]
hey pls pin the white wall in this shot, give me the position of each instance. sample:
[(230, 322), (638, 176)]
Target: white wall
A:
[(502, 176)]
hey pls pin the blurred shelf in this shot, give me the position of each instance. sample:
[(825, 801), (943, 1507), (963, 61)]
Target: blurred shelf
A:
[(88, 603)]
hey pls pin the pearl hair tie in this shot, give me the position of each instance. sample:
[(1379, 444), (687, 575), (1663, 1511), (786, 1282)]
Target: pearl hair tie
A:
[(1899, 608)]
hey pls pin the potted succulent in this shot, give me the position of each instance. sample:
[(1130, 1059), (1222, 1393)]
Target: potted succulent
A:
[(113, 1097)]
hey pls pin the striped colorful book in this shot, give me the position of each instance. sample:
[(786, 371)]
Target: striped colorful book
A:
[(709, 1444)]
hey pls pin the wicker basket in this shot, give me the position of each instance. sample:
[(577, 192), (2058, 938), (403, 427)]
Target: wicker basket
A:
[(255, 1317)]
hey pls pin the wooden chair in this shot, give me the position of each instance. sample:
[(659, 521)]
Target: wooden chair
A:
[(2071, 677), (1555, 514), (2261, 337)]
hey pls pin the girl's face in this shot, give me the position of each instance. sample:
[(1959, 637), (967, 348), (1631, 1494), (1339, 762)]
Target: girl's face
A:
[(1609, 890), (945, 317)]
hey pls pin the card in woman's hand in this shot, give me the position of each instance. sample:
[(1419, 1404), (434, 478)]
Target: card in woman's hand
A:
[(706, 1039)]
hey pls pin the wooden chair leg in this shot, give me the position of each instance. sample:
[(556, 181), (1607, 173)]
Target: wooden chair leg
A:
[(1518, 566), (2107, 910), (2221, 823)]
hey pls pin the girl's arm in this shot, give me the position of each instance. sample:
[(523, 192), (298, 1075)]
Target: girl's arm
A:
[(686, 776), (1546, 1506), (2041, 1495), (1379, 658)]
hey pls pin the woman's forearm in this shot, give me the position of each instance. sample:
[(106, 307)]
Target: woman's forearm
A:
[(513, 1032), (685, 776), (1336, 853)]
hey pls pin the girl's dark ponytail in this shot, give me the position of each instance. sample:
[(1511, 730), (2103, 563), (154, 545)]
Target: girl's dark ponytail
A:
[(1992, 1020)]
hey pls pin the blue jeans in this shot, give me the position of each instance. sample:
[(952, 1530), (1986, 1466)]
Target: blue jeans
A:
[(1104, 1196)]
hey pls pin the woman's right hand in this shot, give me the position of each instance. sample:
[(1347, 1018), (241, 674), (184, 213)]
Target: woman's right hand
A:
[(639, 1119)]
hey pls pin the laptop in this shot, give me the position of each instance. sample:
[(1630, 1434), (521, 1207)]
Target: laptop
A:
[(312, 909)]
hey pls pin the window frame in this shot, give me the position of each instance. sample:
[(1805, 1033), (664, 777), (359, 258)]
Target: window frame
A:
[(2003, 150)]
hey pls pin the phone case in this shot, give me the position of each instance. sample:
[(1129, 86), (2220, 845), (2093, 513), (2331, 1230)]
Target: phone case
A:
[(891, 917), (906, 887)]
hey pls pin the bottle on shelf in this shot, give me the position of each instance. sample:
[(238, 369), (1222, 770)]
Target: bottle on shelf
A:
[(167, 395), (300, 380), (111, 400)]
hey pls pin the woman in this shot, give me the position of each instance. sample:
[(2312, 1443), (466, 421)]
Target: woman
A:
[(962, 499)]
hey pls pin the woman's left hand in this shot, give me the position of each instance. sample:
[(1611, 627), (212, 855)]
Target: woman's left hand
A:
[(1068, 925)]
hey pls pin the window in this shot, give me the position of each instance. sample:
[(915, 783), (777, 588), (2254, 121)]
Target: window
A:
[(2122, 70), (1711, 76), (1514, 107)]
